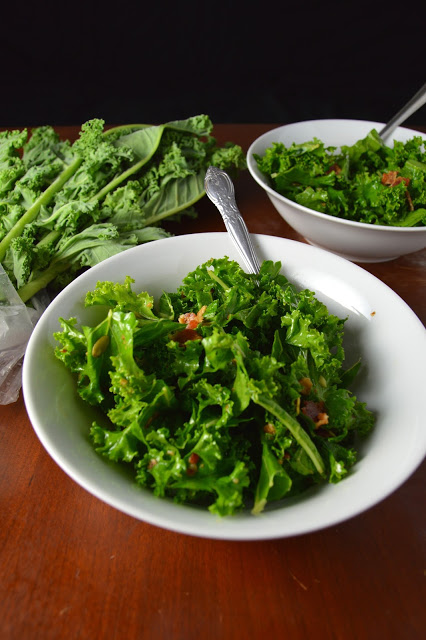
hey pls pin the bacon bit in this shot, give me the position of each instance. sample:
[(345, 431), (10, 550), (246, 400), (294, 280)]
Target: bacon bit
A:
[(312, 409), (335, 168), (193, 458), (392, 179), (124, 382), (185, 335), (286, 456), (192, 320), (269, 428), (315, 411), (306, 386), (152, 463), (191, 469), (322, 419)]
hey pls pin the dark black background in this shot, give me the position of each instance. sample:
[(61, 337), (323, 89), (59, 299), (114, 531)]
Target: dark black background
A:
[(235, 61)]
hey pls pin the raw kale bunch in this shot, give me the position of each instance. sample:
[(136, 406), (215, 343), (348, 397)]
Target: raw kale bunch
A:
[(229, 392), (366, 182), (67, 206)]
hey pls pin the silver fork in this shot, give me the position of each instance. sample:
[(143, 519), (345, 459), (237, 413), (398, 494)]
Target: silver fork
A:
[(407, 110), (220, 189)]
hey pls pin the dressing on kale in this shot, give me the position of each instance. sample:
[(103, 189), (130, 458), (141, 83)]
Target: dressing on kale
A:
[(229, 392), (366, 182)]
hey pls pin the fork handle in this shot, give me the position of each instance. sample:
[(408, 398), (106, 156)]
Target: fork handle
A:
[(407, 110), (220, 189)]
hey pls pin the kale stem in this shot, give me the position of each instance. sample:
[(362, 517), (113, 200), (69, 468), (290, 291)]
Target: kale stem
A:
[(216, 278), (33, 211), (300, 435), (122, 176), (170, 212), (131, 170), (49, 237), (40, 282)]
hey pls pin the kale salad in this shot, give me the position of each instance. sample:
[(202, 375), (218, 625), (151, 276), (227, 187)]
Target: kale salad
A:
[(230, 392), (367, 182)]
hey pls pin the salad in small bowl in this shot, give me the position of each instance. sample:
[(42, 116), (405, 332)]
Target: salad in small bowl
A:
[(344, 189)]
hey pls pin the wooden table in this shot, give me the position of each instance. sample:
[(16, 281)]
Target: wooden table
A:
[(73, 567)]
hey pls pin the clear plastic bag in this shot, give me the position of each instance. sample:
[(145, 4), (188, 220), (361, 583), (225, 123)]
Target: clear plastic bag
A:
[(17, 322)]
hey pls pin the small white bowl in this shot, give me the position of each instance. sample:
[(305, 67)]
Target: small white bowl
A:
[(376, 316), (356, 241)]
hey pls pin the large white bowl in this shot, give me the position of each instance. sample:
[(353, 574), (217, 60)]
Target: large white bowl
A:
[(381, 329), (355, 241)]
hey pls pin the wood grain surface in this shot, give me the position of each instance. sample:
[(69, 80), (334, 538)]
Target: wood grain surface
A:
[(71, 567)]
